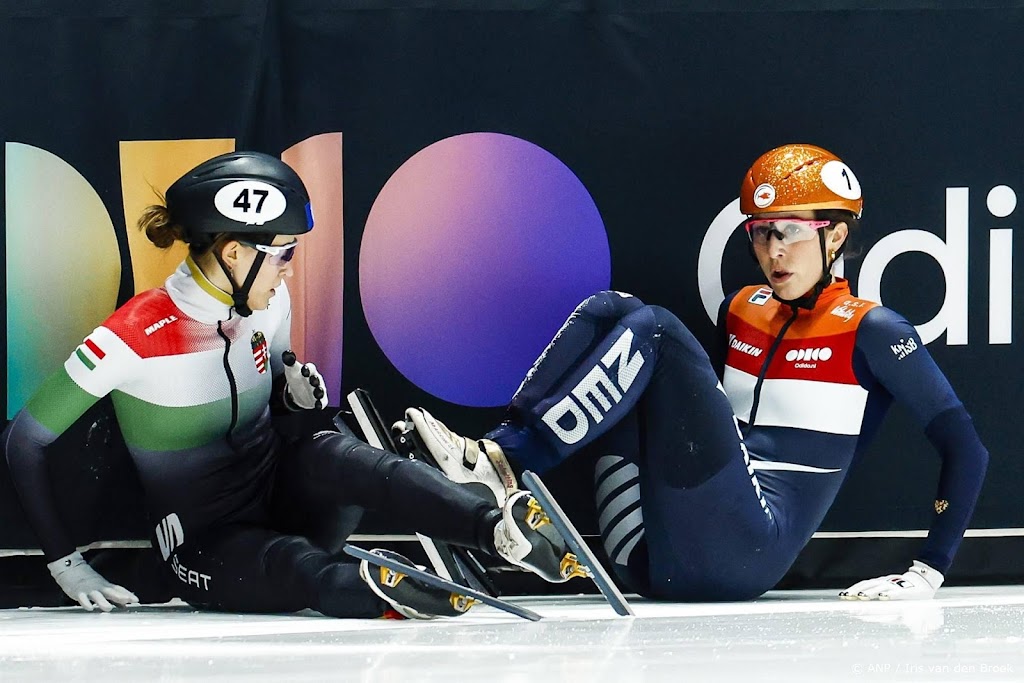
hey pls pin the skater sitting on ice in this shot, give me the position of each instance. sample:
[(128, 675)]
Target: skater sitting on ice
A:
[(712, 476), (193, 369)]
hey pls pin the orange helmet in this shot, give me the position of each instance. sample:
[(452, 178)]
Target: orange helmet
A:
[(798, 178)]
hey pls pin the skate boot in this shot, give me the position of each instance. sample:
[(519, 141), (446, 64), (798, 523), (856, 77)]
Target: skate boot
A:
[(409, 597), (525, 537), (480, 465)]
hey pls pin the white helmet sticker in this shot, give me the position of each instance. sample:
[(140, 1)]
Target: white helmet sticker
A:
[(764, 195), (250, 201), (838, 177)]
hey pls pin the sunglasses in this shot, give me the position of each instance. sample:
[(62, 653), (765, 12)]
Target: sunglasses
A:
[(786, 230), (277, 255)]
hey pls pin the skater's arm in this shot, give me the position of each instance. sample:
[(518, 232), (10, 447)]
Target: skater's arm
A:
[(900, 362), (297, 385), (890, 352), (95, 368)]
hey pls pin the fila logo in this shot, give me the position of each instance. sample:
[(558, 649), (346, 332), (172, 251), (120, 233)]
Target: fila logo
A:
[(169, 534), (760, 297), (160, 323), (744, 347), (904, 348), (596, 393)]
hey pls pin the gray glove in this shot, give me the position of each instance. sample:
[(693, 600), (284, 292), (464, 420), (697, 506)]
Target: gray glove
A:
[(84, 584)]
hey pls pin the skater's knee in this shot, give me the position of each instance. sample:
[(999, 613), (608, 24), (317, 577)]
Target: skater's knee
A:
[(340, 442), (287, 550), (672, 331), (667, 321), (609, 304)]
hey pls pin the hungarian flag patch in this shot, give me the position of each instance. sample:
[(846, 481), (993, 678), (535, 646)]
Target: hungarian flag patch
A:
[(260, 353), (89, 353)]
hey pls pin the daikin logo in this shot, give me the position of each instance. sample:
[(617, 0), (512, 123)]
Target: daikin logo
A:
[(951, 253), (744, 347)]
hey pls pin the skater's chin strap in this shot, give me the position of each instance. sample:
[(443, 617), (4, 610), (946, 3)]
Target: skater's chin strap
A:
[(240, 294)]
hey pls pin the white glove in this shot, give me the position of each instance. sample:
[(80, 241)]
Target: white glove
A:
[(81, 582), (304, 385), (918, 583)]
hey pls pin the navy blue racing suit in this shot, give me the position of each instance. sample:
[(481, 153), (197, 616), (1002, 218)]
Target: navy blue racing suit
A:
[(711, 480)]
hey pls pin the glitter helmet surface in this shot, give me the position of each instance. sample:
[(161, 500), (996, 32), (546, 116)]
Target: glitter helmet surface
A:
[(799, 177)]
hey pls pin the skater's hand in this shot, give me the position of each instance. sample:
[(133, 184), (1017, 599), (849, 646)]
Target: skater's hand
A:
[(918, 583), (82, 583), (304, 385)]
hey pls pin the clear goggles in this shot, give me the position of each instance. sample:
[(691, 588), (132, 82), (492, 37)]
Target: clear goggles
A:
[(276, 255), (786, 230)]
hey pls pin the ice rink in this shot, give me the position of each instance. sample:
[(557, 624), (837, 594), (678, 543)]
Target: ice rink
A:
[(967, 634)]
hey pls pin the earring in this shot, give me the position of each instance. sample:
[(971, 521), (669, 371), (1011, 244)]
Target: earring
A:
[(832, 255)]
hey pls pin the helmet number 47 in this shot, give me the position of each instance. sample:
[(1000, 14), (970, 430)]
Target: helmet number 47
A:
[(243, 203), (250, 202)]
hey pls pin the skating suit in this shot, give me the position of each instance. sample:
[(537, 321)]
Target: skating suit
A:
[(708, 490)]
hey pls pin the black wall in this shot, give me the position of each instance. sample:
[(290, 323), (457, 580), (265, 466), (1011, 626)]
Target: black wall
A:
[(657, 107)]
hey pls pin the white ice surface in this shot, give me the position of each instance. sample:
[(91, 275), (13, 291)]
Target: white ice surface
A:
[(967, 634)]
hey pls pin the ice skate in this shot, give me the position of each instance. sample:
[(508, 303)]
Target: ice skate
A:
[(409, 597), (526, 538), (457, 456)]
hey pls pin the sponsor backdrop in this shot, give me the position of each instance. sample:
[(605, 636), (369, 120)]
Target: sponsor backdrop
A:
[(477, 168)]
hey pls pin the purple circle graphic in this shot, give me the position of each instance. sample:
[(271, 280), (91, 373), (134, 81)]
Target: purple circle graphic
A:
[(474, 253)]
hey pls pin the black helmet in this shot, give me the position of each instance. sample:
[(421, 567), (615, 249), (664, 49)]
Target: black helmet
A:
[(250, 193), (240, 192)]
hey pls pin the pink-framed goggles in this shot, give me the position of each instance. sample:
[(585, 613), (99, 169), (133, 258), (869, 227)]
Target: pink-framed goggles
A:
[(786, 230)]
